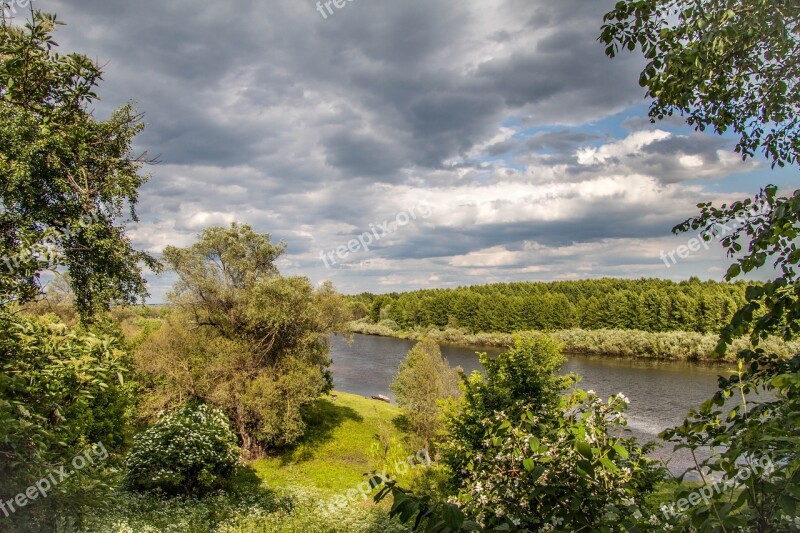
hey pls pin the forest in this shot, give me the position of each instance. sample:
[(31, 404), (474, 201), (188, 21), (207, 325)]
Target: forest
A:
[(651, 305)]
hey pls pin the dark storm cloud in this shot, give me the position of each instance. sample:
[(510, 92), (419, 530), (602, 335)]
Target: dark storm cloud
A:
[(565, 141), (590, 227), (265, 112), (502, 147), (360, 155), (182, 60)]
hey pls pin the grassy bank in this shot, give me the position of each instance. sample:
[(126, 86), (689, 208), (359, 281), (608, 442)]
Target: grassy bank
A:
[(671, 346), (298, 489)]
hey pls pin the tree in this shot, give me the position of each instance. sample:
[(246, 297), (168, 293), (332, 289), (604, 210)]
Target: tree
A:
[(65, 181), (245, 339), (423, 382), (524, 378), (733, 65), (67, 178)]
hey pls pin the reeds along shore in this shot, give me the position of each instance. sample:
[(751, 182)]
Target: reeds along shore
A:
[(668, 346)]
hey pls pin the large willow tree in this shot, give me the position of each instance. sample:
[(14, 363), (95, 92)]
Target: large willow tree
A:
[(246, 339)]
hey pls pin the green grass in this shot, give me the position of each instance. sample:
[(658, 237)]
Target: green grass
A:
[(339, 447), (283, 492)]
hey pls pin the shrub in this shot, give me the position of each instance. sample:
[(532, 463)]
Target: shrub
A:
[(61, 390), (525, 374), (754, 459), (562, 473), (191, 450), (525, 457), (389, 324)]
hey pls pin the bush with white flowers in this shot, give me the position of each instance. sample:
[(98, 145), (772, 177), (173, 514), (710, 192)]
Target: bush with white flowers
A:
[(191, 450)]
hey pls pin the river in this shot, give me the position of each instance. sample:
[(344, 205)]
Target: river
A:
[(660, 393)]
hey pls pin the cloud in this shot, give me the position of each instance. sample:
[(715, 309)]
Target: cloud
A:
[(504, 115)]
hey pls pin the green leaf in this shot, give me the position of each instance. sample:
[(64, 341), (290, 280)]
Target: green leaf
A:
[(584, 448), (733, 271), (621, 451), (453, 517), (788, 504)]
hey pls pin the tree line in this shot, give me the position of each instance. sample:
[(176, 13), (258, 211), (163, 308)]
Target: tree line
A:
[(651, 305)]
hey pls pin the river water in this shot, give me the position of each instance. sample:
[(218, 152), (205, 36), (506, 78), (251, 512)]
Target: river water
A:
[(661, 393)]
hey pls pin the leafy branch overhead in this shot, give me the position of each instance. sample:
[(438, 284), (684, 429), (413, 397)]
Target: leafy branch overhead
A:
[(726, 65), (732, 65), (767, 226)]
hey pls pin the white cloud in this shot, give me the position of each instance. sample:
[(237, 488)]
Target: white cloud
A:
[(630, 146)]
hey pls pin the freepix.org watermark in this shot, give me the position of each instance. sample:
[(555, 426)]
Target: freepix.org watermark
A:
[(365, 488), (9, 7), (764, 466), (704, 238), (92, 455), (325, 7), (46, 251), (376, 233)]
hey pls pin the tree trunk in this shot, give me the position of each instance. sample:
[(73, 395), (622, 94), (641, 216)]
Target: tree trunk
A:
[(251, 448)]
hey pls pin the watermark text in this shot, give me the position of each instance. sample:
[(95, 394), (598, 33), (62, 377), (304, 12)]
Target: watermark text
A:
[(92, 455)]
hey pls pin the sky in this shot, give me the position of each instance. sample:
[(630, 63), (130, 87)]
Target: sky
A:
[(462, 142)]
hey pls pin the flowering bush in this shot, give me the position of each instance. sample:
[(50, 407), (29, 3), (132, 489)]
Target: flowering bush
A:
[(190, 450), (565, 473), (526, 457)]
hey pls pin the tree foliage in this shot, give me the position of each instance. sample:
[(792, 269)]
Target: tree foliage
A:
[(245, 338), (647, 304), (572, 469), (524, 457), (756, 432), (423, 383), (768, 225), (724, 64), (67, 178), (524, 378), (60, 391), (733, 65)]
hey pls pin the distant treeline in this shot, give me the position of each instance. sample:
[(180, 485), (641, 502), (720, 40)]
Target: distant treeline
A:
[(651, 305)]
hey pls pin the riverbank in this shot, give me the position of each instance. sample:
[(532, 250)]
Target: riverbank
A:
[(634, 344)]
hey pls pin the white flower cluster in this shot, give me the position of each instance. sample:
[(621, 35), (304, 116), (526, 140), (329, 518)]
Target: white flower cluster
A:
[(182, 444)]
